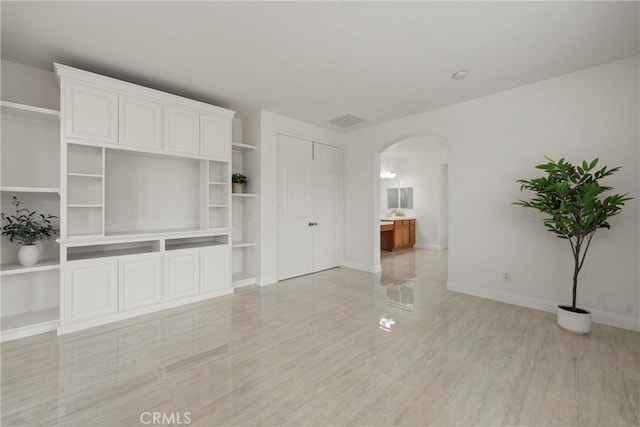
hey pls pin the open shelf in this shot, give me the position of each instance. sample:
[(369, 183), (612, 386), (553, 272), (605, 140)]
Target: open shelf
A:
[(242, 244), (30, 190), (242, 147), (80, 253), (85, 175), (195, 242), (30, 323), (84, 160), (218, 183), (84, 206), (243, 195), (28, 111), (243, 279), (15, 268)]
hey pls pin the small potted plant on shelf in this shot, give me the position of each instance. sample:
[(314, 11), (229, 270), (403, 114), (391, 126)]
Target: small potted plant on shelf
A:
[(571, 198), (26, 227), (239, 181)]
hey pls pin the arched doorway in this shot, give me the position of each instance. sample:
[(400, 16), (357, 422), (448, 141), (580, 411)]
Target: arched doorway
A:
[(412, 175)]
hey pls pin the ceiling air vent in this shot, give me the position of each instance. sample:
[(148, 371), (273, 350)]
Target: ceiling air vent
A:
[(347, 120)]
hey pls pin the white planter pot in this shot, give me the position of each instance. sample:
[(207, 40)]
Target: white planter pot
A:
[(238, 188), (28, 255), (576, 323)]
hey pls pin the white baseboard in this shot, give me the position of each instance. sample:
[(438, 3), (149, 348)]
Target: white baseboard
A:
[(603, 317), (268, 280), (85, 324), (426, 246), (362, 267)]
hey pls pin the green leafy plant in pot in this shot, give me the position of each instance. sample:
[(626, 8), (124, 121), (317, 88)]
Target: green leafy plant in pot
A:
[(239, 181), (26, 227), (572, 199)]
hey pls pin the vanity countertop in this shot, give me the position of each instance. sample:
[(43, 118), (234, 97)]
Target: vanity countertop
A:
[(386, 222), (396, 218)]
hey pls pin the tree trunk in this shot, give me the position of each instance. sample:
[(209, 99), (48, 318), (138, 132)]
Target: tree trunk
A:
[(576, 270)]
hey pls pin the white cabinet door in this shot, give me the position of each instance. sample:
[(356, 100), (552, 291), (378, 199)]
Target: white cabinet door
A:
[(181, 130), (90, 113), (91, 289), (295, 166), (215, 137), (140, 123), (215, 269), (182, 274), (139, 281)]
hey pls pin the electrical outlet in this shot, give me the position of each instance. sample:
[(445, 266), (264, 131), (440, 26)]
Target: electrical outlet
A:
[(506, 276)]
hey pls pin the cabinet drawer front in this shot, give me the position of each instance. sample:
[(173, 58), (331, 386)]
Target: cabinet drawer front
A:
[(215, 269), (387, 227), (139, 281), (140, 123), (215, 137), (405, 222), (90, 113), (182, 274), (91, 289), (181, 130)]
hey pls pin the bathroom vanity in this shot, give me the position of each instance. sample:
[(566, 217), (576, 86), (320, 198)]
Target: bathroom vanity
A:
[(397, 233)]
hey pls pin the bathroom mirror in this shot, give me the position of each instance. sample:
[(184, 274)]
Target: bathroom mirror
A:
[(406, 198)]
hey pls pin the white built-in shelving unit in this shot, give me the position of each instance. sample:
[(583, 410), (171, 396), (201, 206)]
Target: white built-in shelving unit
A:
[(30, 171), (145, 200), (141, 183), (245, 217)]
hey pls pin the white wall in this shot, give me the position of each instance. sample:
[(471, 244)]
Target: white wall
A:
[(417, 162), (271, 125), (495, 140)]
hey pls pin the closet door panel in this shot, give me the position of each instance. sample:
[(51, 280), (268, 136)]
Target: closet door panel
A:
[(295, 244), (326, 207)]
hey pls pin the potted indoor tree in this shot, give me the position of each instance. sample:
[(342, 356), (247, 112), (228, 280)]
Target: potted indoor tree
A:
[(239, 181), (26, 227), (572, 199)]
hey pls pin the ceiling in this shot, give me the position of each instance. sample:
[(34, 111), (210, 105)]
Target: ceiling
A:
[(314, 61)]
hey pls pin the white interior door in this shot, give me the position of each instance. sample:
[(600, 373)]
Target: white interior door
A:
[(326, 207), (294, 207)]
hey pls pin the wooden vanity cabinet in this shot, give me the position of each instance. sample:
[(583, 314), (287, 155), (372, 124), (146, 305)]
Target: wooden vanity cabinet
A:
[(400, 235)]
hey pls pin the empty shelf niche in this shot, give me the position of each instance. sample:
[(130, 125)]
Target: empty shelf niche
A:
[(218, 195), (84, 161), (78, 253), (196, 242), (219, 172), (84, 221), (83, 191)]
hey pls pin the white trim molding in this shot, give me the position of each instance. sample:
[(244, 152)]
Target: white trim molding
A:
[(268, 280), (602, 317), (427, 246), (362, 267)]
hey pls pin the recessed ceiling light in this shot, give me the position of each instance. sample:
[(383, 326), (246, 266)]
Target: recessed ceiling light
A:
[(459, 75)]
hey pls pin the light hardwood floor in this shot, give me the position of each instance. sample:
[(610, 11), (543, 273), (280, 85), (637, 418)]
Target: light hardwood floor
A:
[(341, 347)]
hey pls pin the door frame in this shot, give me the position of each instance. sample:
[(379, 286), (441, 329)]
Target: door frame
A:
[(278, 189)]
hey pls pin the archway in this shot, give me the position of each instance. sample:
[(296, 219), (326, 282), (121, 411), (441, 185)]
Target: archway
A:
[(425, 164)]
